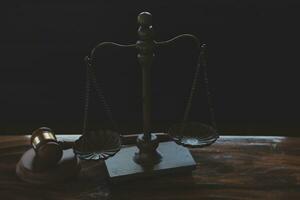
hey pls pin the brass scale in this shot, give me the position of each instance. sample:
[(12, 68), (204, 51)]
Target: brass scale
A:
[(152, 154)]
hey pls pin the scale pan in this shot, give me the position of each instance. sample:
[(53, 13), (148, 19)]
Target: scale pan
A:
[(193, 134), (97, 145)]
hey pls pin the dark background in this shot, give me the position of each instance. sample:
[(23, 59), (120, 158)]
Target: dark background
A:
[(253, 49)]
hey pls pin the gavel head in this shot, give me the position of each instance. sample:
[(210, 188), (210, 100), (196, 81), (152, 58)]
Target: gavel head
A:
[(46, 146)]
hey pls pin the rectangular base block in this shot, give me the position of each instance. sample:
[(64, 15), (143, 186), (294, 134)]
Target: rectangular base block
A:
[(175, 159)]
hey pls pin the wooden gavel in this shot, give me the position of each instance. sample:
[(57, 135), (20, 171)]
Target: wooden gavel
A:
[(46, 146), (48, 160)]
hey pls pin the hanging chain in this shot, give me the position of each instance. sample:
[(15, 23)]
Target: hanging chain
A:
[(101, 96), (202, 57), (87, 96), (192, 92), (91, 78), (201, 62)]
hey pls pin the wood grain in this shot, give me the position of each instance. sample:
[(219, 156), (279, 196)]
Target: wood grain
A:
[(235, 167)]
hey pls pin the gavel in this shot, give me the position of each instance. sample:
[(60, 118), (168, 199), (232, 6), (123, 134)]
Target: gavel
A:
[(48, 160), (48, 149)]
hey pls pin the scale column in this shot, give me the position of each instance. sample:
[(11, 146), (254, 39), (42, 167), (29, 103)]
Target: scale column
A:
[(147, 142)]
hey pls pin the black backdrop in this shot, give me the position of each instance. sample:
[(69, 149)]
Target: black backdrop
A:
[(253, 62)]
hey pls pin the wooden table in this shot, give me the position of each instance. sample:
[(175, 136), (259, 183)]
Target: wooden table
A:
[(235, 167)]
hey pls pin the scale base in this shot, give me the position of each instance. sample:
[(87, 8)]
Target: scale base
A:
[(175, 159)]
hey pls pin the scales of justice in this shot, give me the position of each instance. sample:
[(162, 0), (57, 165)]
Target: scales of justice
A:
[(150, 154)]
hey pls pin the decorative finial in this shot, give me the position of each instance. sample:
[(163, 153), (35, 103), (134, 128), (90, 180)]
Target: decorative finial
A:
[(145, 19)]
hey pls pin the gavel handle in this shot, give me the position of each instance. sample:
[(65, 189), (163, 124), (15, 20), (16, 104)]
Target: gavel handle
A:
[(126, 140)]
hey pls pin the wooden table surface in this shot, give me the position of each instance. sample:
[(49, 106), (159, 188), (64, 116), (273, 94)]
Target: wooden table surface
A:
[(235, 167)]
